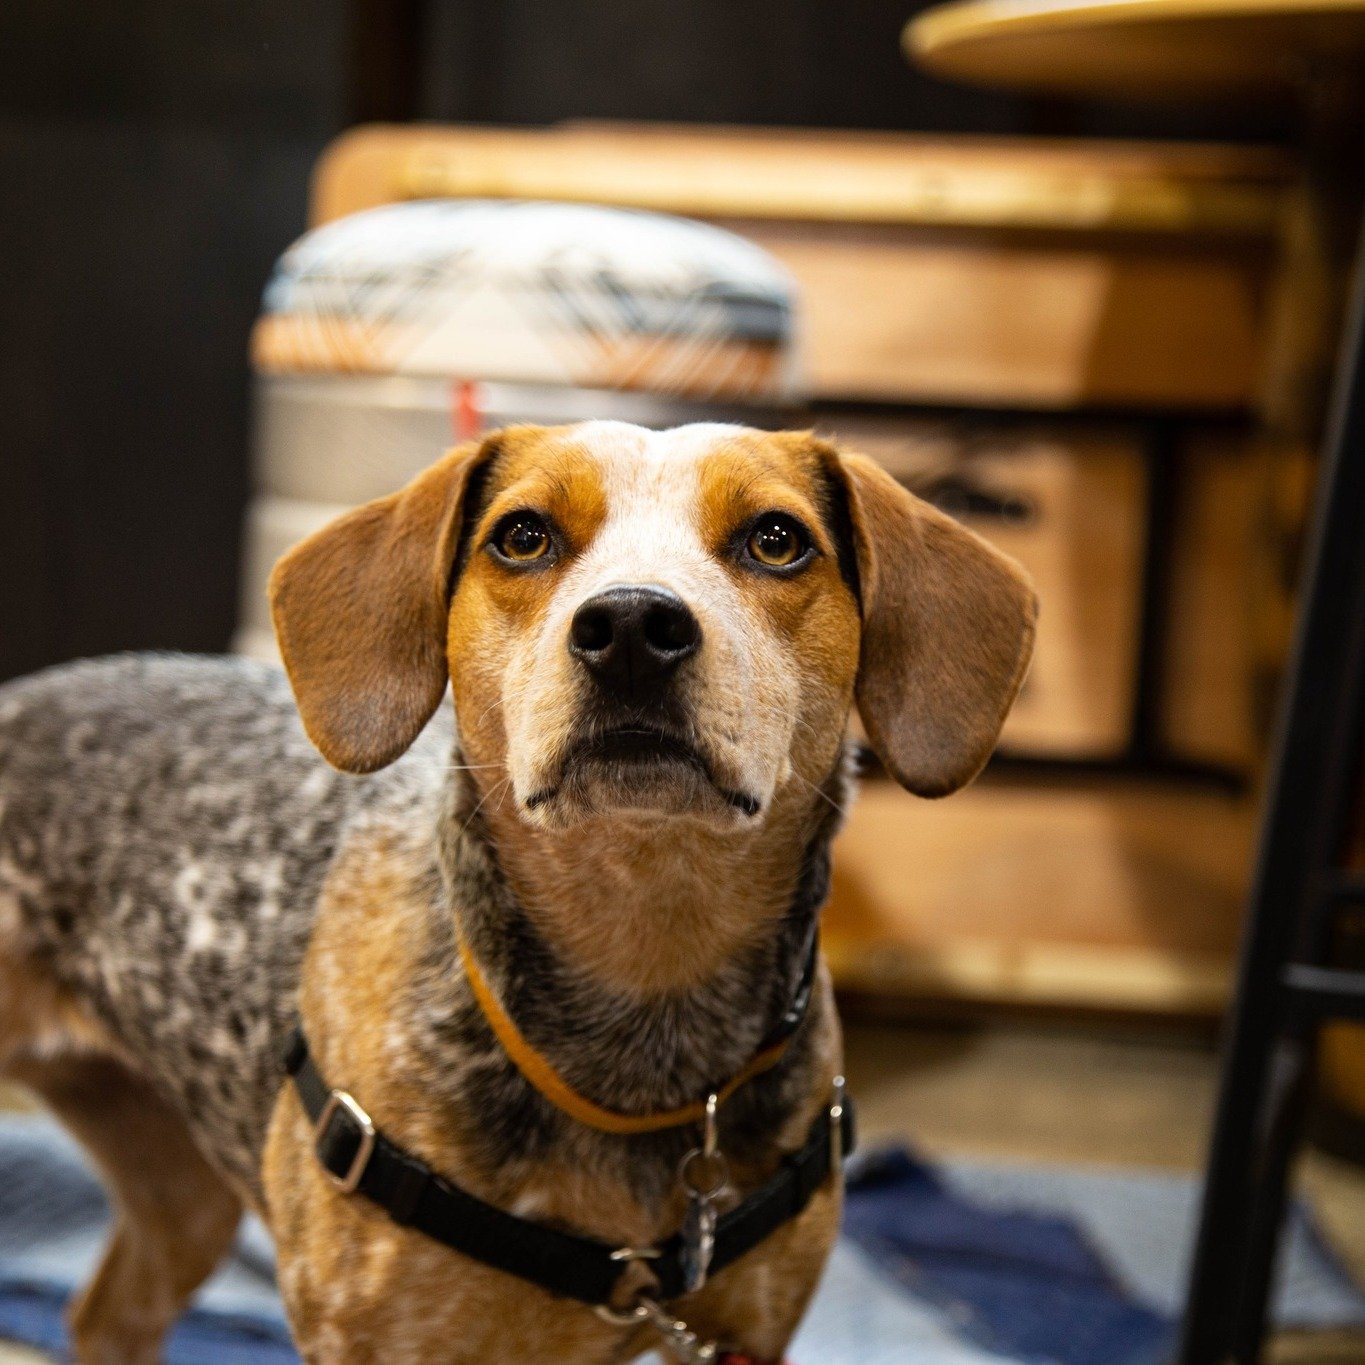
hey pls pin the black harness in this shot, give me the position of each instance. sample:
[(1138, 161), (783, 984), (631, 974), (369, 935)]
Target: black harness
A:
[(358, 1159)]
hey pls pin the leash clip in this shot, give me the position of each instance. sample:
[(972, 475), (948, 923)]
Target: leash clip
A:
[(680, 1339)]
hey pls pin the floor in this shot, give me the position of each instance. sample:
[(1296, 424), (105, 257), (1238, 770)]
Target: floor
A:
[(1043, 1093), (1105, 1096)]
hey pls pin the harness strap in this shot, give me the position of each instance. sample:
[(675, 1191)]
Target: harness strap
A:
[(359, 1159)]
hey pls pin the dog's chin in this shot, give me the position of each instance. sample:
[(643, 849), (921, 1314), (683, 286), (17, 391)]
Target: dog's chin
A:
[(640, 777)]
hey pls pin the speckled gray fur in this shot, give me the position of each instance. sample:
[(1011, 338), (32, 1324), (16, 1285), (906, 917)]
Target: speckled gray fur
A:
[(165, 829)]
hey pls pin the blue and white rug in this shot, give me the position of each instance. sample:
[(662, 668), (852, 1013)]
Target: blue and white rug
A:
[(944, 1264)]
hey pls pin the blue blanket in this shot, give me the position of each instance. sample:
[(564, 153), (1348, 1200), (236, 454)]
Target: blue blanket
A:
[(952, 1264)]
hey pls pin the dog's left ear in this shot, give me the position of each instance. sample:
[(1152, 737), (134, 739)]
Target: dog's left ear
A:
[(947, 632), (360, 616)]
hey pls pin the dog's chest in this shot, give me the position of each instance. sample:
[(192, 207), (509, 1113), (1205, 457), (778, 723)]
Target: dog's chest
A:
[(165, 829)]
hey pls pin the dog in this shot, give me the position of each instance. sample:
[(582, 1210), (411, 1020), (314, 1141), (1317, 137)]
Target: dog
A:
[(593, 881)]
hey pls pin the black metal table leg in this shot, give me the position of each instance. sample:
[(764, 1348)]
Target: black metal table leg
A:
[(1308, 804), (1290, 1076)]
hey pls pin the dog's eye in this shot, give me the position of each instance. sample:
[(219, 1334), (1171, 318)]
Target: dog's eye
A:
[(777, 541), (522, 537)]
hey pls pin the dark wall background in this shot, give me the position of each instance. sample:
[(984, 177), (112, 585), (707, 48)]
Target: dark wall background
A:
[(154, 157)]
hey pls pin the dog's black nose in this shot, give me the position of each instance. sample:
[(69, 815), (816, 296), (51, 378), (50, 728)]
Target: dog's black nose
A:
[(632, 638)]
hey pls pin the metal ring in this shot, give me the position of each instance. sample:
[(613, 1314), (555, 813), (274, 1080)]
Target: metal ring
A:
[(722, 1168), (639, 1310)]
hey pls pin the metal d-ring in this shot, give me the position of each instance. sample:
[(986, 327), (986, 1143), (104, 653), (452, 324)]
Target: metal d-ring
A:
[(637, 1312), (621, 1317)]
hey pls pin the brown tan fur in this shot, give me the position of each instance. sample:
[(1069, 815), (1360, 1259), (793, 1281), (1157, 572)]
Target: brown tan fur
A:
[(37, 1017), (174, 1215)]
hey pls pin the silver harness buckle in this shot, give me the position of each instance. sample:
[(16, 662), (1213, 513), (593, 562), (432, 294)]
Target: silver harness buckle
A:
[(341, 1100)]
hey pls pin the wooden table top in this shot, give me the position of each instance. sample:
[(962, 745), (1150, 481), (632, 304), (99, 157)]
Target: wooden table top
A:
[(1258, 51)]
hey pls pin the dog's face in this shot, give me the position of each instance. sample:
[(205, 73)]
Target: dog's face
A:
[(655, 624)]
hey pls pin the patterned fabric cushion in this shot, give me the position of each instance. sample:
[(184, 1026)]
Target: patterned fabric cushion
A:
[(561, 294)]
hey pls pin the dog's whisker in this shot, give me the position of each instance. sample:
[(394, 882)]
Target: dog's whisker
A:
[(487, 711), (820, 792), (497, 787)]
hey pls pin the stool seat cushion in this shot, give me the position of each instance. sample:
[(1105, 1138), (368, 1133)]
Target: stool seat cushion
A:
[(560, 294)]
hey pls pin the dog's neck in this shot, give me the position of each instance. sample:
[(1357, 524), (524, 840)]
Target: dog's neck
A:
[(646, 965), (656, 909)]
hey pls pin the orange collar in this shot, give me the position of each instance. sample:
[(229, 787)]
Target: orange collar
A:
[(545, 1079)]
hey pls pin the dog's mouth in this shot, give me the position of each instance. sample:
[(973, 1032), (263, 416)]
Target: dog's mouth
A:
[(639, 759), (627, 745)]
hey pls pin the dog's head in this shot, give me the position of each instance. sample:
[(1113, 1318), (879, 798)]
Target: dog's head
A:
[(645, 623)]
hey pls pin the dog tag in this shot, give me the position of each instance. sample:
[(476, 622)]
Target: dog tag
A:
[(699, 1239)]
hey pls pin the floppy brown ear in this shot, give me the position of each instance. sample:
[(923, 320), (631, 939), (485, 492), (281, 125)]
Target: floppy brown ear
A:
[(360, 616), (947, 633)]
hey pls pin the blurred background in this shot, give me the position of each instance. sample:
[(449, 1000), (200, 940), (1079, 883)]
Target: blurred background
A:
[(1098, 324)]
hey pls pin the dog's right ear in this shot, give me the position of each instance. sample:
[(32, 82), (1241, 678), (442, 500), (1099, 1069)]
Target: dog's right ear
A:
[(360, 615), (947, 631)]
